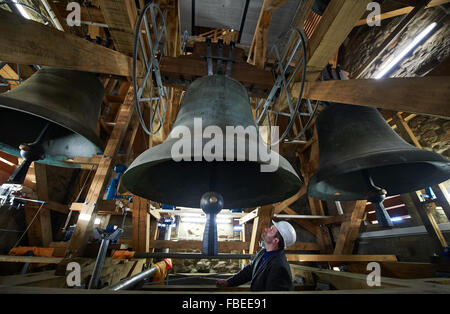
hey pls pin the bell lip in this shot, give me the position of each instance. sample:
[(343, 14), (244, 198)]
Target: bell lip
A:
[(284, 168), (314, 182), (391, 158), (38, 111)]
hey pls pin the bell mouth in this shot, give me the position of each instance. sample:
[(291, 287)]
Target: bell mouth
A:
[(64, 142), (395, 179), (241, 183)]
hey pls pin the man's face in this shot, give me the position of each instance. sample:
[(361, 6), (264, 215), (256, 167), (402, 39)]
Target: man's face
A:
[(269, 234)]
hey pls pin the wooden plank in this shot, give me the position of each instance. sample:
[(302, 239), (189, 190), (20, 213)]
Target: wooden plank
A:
[(302, 13), (350, 229), (224, 246), (8, 73), (141, 225), (337, 22), (442, 198), (339, 258), (443, 69), (429, 212), (30, 259), (55, 48), (90, 208), (401, 270), (423, 95), (264, 220), (120, 16), (44, 227), (424, 212), (303, 246), (90, 15), (106, 207), (284, 204), (253, 214), (192, 67), (402, 11), (258, 48)]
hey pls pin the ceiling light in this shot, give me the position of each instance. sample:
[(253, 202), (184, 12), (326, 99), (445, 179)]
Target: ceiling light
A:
[(21, 10), (405, 51)]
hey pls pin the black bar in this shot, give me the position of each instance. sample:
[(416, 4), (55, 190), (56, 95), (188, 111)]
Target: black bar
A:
[(193, 18), (244, 16)]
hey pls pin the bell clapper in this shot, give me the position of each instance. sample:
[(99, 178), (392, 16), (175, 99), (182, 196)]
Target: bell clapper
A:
[(376, 196), (30, 152), (211, 204)]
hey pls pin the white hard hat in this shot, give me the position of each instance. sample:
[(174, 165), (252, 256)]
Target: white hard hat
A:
[(287, 232)]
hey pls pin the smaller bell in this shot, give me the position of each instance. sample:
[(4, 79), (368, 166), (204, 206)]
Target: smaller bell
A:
[(355, 144), (69, 101)]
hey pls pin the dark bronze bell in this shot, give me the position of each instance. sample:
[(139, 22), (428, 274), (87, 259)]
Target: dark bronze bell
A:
[(69, 100), (220, 102), (360, 151)]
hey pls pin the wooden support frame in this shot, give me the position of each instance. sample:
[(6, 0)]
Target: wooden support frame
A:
[(350, 229), (258, 48), (261, 222), (424, 95), (120, 16), (40, 231), (55, 48), (403, 11), (141, 225), (337, 22), (95, 194)]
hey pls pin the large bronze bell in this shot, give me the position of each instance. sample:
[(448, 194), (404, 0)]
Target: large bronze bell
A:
[(220, 101), (69, 100), (359, 150)]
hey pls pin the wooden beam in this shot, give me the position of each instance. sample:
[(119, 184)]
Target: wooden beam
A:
[(264, 220), (337, 22), (30, 259), (224, 246), (141, 225), (106, 207), (250, 216), (8, 73), (90, 15), (257, 53), (403, 11), (350, 229), (405, 131), (55, 48), (90, 208), (44, 228), (424, 210), (190, 68), (120, 16), (339, 258), (423, 95), (302, 14), (284, 204)]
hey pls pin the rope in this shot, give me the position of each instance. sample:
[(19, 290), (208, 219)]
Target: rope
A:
[(28, 227)]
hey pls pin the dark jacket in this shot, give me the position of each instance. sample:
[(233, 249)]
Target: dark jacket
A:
[(273, 275)]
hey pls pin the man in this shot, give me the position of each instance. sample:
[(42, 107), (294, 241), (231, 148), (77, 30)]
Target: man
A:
[(270, 270)]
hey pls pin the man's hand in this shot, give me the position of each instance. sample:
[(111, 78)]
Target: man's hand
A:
[(221, 283)]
